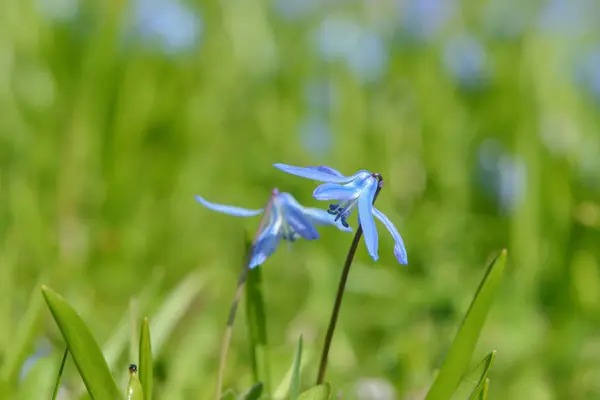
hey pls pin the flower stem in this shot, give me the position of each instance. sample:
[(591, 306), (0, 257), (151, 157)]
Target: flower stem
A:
[(340, 293), (226, 341)]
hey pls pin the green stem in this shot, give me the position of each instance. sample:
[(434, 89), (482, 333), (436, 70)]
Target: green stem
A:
[(60, 372), (340, 293)]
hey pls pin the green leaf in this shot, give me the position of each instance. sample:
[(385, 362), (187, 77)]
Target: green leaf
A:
[(472, 383), (254, 392), (83, 348), (321, 392), (484, 389), (295, 382), (257, 327), (146, 368), (59, 375), (134, 388), (283, 388), (461, 351)]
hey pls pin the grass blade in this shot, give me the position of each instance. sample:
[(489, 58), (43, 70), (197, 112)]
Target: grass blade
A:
[(24, 339), (254, 392), (60, 372), (484, 390), (472, 383), (134, 388), (146, 368), (295, 382), (320, 392), (257, 327), (461, 351), (173, 309), (83, 348)]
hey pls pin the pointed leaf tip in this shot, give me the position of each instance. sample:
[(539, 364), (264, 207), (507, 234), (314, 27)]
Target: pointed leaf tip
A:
[(84, 350), (461, 350)]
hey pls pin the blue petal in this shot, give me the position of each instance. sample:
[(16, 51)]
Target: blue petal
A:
[(322, 217), (329, 170), (323, 174), (231, 210), (365, 216), (300, 223), (334, 191), (266, 244), (399, 249)]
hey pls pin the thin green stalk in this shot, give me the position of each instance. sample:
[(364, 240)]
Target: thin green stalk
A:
[(340, 293), (226, 341), (60, 372)]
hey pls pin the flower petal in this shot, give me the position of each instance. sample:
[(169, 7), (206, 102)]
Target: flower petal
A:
[(399, 249), (365, 216), (300, 223), (231, 210), (334, 191), (329, 170), (266, 244), (321, 173), (322, 217)]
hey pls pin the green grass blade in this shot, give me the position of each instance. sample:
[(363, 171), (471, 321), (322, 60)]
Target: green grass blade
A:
[(284, 386), (254, 392), (472, 383), (173, 309), (461, 351), (134, 388), (321, 392), (23, 339), (257, 327), (83, 348), (146, 368), (295, 382), (484, 390), (60, 373)]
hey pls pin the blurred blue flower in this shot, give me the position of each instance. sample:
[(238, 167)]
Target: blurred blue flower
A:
[(502, 174), (58, 10), (573, 18), (285, 219), (505, 19), (295, 9), (315, 136), (424, 19), (587, 73), (351, 192), (320, 94), (362, 50), (465, 58), (168, 24)]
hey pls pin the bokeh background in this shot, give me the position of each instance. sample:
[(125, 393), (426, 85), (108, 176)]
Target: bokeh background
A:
[(482, 116)]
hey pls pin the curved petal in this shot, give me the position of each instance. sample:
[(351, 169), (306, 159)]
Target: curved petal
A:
[(322, 217), (231, 210), (323, 174), (365, 216), (266, 244), (335, 191), (300, 223), (399, 249)]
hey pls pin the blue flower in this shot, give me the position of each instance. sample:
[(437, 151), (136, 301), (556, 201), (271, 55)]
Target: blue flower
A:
[(284, 218), (351, 192)]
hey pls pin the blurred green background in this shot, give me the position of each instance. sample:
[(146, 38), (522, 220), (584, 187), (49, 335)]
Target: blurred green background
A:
[(483, 118)]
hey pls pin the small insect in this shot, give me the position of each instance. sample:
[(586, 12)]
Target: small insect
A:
[(132, 368)]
